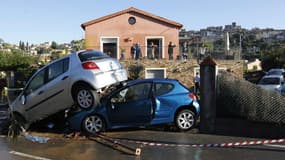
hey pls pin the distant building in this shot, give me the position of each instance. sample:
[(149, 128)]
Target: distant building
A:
[(212, 31), (267, 34), (254, 65), (232, 27), (45, 45), (117, 32)]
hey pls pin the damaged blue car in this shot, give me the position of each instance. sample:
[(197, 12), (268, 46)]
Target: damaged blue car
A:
[(141, 103)]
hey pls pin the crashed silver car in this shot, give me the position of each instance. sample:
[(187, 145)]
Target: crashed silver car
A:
[(74, 80)]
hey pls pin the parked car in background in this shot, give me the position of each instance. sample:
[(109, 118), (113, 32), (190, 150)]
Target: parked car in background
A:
[(276, 71), (281, 89), (74, 80), (254, 77), (271, 82), (141, 103)]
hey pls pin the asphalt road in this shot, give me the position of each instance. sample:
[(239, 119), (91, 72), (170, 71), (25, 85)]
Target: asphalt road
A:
[(59, 148), (155, 138)]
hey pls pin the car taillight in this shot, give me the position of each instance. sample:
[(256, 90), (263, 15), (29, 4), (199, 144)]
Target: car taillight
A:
[(90, 65), (192, 96)]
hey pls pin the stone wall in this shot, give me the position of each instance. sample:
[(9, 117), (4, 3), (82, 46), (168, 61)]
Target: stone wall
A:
[(184, 70)]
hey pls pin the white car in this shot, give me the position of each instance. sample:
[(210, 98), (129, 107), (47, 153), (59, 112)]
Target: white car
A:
[(281, 90), (74, 80), (271, 82), (276, 71)]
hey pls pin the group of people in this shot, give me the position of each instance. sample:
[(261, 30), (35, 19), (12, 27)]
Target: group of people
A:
[(151, 52), (136, 51)]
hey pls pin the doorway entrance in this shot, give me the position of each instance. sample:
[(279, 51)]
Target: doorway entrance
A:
[(154, 49), (110, 46)]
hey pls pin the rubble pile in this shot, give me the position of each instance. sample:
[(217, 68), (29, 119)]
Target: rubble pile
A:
[(184, 70)]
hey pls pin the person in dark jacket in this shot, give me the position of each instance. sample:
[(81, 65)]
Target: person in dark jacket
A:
[(138, 51), (170, 50), (133, 51), (197, 83)]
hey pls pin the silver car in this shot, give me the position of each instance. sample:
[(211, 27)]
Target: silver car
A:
[(74, 80), (271, 82), (276, 71)]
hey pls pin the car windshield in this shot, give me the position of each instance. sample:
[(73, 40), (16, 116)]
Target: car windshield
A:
[(270, 81), (91, 55)]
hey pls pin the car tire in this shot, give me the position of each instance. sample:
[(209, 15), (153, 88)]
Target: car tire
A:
[(86, 98), (93, 124), (185, 120)]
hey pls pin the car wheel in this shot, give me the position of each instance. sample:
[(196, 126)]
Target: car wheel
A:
[(185, 120), (86, 98), (93, 124)]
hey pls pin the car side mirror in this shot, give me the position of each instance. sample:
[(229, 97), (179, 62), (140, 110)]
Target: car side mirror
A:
[(23, 99)]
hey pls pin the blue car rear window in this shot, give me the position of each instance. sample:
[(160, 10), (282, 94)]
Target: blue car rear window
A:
[(91, 55), (162, 88), (182, 85)]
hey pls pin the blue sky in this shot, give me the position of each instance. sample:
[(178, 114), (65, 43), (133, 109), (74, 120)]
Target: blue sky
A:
[(38, 21)]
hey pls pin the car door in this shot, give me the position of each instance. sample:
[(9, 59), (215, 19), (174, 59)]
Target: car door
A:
[(131, 105), (35, 96), (164, 102), (57, 91)]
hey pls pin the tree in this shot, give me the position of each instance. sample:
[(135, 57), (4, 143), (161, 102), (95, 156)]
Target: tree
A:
[(17, 62), (209, 46), (54, 45), (77, 45), (22, 46), (42, 50), (27, 48), (220, 43), (274, 58)]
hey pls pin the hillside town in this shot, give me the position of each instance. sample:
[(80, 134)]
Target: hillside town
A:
[(243, 43)]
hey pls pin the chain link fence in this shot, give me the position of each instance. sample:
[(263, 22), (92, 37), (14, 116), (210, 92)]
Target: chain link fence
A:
[(240, 98)]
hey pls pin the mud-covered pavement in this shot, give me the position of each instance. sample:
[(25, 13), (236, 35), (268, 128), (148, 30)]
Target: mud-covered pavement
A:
[(75, 148)]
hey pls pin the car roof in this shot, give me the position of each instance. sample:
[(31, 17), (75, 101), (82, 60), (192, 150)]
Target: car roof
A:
[(276, 69), (151, 80), (272, 76)]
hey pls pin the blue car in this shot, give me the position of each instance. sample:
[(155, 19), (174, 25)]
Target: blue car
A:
[(141, 103)]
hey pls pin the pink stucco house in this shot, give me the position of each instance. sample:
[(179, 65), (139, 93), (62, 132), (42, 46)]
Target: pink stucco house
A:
[(117, 32)]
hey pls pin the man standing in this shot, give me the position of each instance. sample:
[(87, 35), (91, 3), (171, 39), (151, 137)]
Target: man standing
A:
[(152, 51), (133, 51), (197, 83), (138, 51), (170, 50)]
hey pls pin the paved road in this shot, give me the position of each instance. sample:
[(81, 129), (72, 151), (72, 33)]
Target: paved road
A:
[(60, 148)]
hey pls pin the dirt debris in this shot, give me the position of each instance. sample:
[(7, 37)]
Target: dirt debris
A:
[(184, 70)]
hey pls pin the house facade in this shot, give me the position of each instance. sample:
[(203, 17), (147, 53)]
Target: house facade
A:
[(116, 33)]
